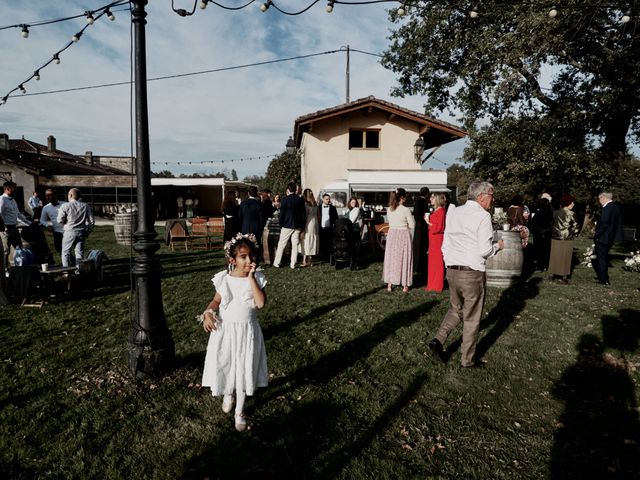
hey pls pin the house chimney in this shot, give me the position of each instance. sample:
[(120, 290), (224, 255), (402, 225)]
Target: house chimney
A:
[(4, 141), (88, 157), (51, 143)]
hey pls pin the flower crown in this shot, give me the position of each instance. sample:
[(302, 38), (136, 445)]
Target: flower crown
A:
[(239, 236)]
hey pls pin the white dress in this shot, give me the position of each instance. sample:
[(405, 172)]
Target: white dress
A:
[(311, 232), (236, 359)]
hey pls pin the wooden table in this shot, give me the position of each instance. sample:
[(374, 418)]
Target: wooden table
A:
[(49, 276)]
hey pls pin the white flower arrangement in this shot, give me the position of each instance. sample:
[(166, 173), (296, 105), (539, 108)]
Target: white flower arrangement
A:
[(632, 262), (499, 217), (588, 257)]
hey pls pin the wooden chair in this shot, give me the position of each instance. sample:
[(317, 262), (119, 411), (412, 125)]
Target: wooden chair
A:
[(215, 229), (200, 233), (178, 234)]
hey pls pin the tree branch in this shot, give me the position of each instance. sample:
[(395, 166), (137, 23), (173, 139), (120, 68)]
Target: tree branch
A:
[(536, 91)]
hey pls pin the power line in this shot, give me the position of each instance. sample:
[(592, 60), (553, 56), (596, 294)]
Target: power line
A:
[(200, 72)]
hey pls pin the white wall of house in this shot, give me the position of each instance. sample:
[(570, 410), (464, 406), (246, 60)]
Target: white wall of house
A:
[(326, 155), (22, 178)]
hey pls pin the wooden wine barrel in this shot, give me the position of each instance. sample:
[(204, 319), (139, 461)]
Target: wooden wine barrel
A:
[(124, 226), (504, 269)]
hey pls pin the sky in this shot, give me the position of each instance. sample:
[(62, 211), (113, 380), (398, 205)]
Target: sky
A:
[(235, 114)]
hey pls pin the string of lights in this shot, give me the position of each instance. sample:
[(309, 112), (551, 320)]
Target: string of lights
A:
[(474, 12), (200, 72), (228, 160), (89, 14), (92, 15)]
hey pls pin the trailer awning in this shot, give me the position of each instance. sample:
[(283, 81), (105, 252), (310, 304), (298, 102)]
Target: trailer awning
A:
[(382, 187)]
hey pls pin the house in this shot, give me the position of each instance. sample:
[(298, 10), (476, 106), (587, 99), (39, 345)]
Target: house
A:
[(104, 181), (368, 147)]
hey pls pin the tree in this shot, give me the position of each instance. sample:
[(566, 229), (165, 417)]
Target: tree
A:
[(460, 177), (257, 180), (162, 174), (496, 68), (234, 175), (283, 169)]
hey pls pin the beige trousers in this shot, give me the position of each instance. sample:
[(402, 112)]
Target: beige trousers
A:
[(285, 235), (467, 289)]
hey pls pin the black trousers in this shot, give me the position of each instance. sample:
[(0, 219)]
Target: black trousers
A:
[(601, 263)]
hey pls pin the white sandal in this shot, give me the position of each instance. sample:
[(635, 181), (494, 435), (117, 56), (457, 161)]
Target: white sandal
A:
[(227, 403), (241, 422)]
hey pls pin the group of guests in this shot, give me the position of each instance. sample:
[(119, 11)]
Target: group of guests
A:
[(304, 224), (69, 222), (414, 240), (554, 231)]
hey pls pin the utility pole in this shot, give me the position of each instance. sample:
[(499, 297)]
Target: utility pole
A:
[(151, 348), (347, 76)]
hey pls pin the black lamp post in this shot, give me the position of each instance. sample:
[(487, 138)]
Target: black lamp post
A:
[(291, 146), (150, 346), (418, 149)]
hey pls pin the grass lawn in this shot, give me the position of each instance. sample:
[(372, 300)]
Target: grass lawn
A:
[(354, 392)]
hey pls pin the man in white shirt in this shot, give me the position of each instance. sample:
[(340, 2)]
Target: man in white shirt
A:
[(77, 218), (10, 215), (468, 242), (50, 214)]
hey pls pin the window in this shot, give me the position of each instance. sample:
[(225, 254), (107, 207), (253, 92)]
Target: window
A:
[(369, 139)]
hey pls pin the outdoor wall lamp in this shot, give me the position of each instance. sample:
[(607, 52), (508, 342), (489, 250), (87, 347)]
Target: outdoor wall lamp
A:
[(291, 146), (418, 149)]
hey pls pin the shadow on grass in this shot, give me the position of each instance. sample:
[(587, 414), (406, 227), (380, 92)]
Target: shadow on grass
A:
[(308, 442), (598, 433), (283, 326), (511, 303)]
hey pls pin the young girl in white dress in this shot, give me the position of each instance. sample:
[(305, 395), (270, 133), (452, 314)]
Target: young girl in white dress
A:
[(236, 360)]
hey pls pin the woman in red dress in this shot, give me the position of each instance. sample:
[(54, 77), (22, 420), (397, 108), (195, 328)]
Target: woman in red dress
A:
[(437, 221)]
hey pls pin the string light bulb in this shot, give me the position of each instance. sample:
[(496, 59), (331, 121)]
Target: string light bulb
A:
[(265, 6), (402, 10), (626, 18), (4, 100), (109, 15), (553, 12), (90, 18), (56, 58), (329, 8), (76, 37), (25, 31), (36, 74), (22, 89), (203, 4)]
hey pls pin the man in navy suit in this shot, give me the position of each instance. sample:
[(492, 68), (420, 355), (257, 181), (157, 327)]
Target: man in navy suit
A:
[(608, 232), (292, 220), (250, 215)]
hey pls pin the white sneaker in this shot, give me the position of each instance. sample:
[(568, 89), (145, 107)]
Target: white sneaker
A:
[(227, 403), (241, 422)]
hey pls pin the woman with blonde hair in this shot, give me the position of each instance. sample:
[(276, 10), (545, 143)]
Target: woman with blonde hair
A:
[(398, 254), (311, 230), (436, 222)]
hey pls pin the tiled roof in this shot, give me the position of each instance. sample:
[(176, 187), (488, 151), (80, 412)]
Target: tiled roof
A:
[(373, 101), (37, 157)]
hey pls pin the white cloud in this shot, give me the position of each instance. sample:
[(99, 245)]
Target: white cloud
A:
[(237, 113)]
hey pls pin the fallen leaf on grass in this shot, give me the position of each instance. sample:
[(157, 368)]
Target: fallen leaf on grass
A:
[(407, 447)]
